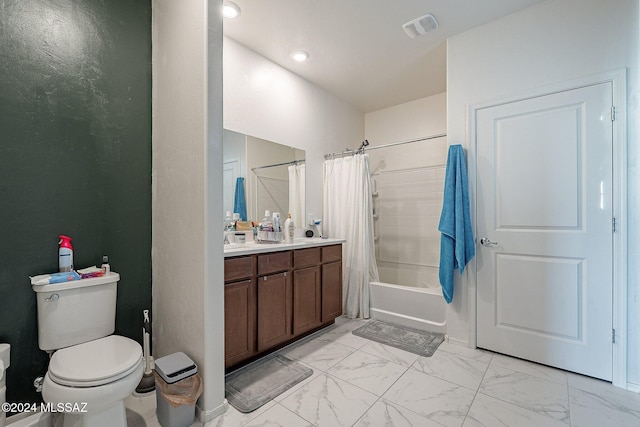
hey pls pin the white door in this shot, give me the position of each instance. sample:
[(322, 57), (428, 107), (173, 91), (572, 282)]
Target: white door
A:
[(544, 227), (230, 172)]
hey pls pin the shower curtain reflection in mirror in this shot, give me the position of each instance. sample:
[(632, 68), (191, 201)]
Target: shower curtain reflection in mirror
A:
[(297, 178)]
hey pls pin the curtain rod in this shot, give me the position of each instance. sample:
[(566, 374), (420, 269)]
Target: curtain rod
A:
[(293, 162), (362, 149)]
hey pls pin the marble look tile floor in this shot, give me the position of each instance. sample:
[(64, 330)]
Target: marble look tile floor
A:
[(360, 383)]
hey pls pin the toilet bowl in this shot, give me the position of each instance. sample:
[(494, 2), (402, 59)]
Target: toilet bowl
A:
[(91, 371), (88, 382)]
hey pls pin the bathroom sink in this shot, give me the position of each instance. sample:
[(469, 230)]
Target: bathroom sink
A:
[(231, 247), (234, 245)]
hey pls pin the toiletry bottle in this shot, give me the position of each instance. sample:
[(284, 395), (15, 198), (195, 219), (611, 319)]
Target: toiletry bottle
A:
[(227, 221), (277, 227), (289, 228), (105, 265), (267, 221), (228, 228), (236, 218), (65, 254)]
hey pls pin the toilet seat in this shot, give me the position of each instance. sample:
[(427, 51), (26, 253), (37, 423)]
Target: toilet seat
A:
[(96, 362)]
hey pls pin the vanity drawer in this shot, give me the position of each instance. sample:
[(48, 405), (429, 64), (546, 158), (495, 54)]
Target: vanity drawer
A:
[(306, 257), (274, 262), (239, 268), (331, 253)]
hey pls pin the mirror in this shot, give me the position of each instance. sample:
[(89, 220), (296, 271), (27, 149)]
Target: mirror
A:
[(273, 177)]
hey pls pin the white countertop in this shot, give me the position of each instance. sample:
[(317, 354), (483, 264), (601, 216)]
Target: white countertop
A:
[(250, 248)]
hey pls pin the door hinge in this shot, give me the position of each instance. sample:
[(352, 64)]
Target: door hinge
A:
[(613, 224), (613, 113), (613, 336)]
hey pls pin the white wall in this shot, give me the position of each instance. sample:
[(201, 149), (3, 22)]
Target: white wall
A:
[(264, 153), (187, 158), (411, 120), (552, 42), (235, 148), (264, 100)]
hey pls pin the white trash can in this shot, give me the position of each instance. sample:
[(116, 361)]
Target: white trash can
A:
[(178, 386)]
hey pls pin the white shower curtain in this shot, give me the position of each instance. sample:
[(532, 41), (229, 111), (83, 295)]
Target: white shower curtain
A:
[(297, 194), (348, 214)]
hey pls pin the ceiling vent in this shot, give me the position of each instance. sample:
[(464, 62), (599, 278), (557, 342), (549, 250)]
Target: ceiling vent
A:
[(420, 26)]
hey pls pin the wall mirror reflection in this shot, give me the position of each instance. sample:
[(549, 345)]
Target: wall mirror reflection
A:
[(262, 175)]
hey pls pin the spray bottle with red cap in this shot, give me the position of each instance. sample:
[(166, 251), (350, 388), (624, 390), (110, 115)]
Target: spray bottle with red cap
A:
[(65, 254)]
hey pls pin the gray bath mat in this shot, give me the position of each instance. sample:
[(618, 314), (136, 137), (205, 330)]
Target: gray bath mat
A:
[(252, 386), (408, 339)]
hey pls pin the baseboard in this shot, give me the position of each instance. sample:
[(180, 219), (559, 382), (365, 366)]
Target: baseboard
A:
[(633, 387), (206, 416), (462, 343)]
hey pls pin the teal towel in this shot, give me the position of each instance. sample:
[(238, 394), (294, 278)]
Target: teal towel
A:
[(239, 202), (456, 243)]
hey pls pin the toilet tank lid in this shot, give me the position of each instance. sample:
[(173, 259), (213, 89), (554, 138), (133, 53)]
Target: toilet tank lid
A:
[(82, 283)]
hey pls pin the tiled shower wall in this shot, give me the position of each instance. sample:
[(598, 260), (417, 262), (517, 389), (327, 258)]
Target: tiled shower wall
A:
[(407, 211)]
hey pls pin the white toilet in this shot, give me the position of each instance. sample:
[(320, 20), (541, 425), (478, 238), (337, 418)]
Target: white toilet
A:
[(91, 372)]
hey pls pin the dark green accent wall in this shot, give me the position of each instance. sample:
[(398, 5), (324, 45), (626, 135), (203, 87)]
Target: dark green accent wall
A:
[(75, 159)]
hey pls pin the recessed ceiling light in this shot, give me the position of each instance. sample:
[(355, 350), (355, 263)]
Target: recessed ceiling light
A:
[(300, 56), (230, 10)]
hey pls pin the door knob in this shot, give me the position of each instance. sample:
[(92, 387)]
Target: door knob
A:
[(486, 242)]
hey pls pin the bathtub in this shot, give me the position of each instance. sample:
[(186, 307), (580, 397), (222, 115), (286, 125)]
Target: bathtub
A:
[(419, 308)]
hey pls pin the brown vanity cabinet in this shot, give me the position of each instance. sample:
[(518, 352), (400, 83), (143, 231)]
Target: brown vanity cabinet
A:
[(306, 290), (274, 298), (331, 282), (274, 310), (239, 309), (306, 299), (331, 291)]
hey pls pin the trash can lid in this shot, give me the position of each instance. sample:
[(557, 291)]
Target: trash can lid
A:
[(174, 367)]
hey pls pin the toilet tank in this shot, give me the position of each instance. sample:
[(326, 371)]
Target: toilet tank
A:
[(74, 312)]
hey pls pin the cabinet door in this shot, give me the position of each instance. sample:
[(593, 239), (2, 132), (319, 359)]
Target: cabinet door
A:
[(274, 310), (331, 291), (239, 268), (239, 321), (306, 299), (274, 262), (303, 258)]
